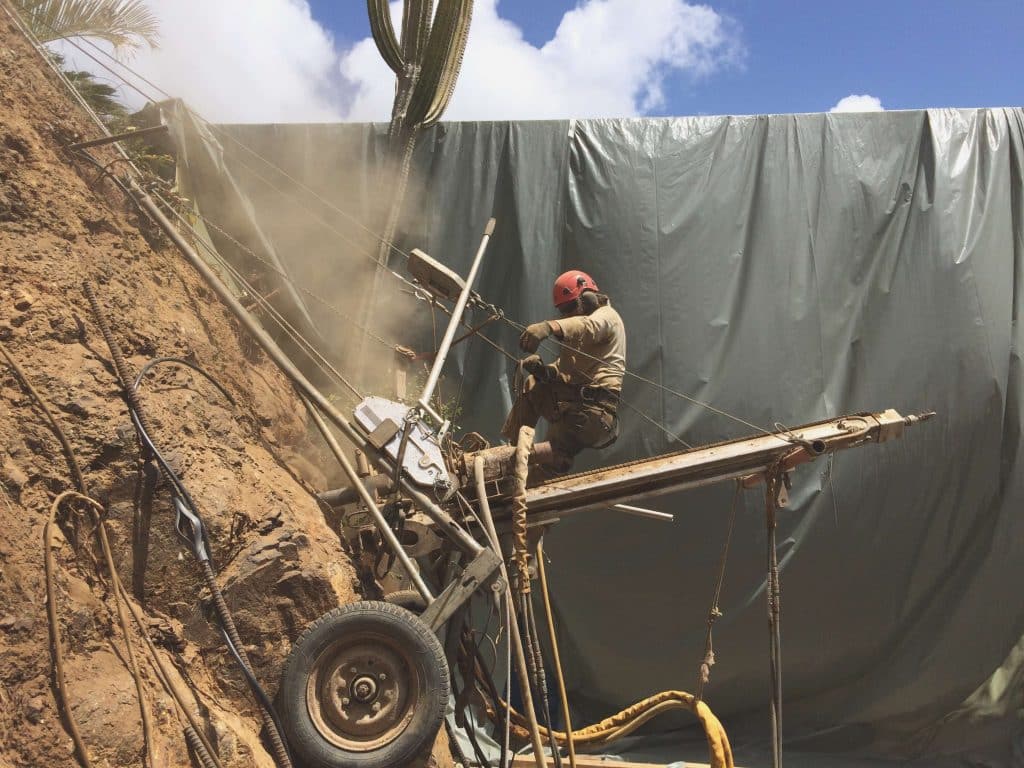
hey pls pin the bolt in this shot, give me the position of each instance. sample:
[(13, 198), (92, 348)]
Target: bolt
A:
[(345, 702), (353, 670), (382, 677)]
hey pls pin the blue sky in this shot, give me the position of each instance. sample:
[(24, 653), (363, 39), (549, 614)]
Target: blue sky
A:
[(313, 60), (805, 56)]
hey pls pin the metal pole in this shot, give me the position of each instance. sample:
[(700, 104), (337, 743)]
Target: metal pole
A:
[(644, 512), (453, 322)]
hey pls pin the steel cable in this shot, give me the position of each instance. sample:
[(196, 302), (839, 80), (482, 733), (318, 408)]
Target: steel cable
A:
[(402, 252)]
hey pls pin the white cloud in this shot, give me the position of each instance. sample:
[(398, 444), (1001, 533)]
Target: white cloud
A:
[(270, 61), (858, 103), (239, 61), (608, 58)]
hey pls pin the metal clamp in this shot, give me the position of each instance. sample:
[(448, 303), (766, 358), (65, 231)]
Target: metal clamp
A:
[(190, 528)]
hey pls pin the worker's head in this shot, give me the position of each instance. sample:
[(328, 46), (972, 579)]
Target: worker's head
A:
[(575, 293)]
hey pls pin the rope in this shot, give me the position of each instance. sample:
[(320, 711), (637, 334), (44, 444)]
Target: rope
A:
[(773, 484), (98, 515), (76, 470), (715, 613), (193, 730), (57, 648), (56, 645)]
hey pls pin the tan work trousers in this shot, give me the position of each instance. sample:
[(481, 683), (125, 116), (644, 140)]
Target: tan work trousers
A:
[(575, 424)]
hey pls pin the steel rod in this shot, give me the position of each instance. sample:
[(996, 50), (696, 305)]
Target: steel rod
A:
[(644, 512), (453, 322)]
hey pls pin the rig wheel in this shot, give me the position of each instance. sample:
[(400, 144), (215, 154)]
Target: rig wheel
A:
[(366, 686)]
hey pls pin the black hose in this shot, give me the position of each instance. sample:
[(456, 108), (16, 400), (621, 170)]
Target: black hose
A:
[(542, 684), (120, 365), (187, 363), (254, 686), (268, 716), (492, 691), (481, 758), (198, 748)]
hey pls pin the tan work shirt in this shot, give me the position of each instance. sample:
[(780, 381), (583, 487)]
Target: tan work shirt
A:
[(601, 335)]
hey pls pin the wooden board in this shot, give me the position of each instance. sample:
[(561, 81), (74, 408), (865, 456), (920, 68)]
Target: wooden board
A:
[(588, 761)]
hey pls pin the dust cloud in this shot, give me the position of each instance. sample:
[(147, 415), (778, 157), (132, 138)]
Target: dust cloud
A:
[(324, 224)]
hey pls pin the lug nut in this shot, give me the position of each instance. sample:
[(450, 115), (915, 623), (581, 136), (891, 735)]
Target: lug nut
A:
[(345, 702), (382, 677)]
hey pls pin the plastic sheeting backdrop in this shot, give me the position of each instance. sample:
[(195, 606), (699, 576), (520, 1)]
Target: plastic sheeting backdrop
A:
[(785, 269)]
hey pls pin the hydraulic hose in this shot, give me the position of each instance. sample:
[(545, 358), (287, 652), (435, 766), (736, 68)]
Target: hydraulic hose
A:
[(540, 682), (515, 640), (554, 652)]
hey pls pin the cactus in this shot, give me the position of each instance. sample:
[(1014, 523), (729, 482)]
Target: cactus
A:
[(426, 62)]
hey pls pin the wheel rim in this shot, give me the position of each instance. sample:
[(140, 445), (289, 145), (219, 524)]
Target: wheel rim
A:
[(362, 691)]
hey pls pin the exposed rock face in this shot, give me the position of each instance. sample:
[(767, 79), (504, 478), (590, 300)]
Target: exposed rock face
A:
[(279, 562)]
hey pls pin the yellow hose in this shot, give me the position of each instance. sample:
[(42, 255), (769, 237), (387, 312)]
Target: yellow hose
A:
[(628, 720)]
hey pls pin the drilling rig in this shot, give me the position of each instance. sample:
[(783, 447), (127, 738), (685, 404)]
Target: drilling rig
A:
[(435, 524)]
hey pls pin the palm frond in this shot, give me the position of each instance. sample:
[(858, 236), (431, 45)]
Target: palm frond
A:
[(122, 23)]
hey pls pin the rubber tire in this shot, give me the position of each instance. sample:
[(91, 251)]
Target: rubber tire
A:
[(312, 749), (409, 599)]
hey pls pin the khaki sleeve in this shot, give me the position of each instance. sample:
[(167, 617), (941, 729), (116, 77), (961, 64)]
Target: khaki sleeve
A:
[(593, 328)]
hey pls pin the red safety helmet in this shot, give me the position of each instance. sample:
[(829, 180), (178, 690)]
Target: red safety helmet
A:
[(571, 284)]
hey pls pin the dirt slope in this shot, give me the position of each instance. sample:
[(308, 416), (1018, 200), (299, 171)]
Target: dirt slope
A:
[(280, 563)]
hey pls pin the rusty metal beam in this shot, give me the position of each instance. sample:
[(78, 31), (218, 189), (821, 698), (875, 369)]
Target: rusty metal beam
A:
[(646, 478), (118, 137)]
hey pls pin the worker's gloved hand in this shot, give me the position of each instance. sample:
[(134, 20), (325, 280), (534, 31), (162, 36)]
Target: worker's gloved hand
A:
[(532, 364), (533, 336), (538, 368)]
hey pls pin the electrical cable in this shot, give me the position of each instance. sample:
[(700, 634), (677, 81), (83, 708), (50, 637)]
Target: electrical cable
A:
[(188, 364), (254, 684)]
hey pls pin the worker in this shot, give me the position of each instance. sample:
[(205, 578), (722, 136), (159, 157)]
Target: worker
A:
[(578, 394)]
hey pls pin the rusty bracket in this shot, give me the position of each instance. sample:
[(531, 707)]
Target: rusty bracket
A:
[(479, 572)]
